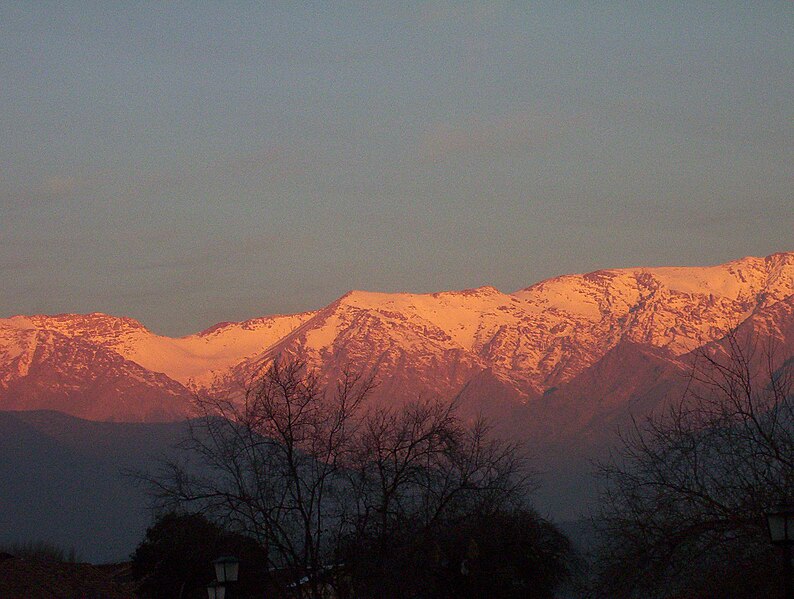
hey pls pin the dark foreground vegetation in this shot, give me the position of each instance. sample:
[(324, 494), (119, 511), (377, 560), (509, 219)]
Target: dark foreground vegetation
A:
[(41, 550), (354, 500), (503, 556), (683, 512)]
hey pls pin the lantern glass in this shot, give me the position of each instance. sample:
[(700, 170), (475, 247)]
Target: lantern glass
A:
[(227, 569), (216, 590), (781, 524)]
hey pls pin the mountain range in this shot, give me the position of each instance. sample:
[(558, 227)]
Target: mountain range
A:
[(573, 349)]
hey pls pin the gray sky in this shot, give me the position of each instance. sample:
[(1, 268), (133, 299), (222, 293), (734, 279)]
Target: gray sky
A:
[(192, 163)]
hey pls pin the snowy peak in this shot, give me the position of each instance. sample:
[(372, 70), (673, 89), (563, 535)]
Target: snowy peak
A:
[(740, 280), (51, 370), (96, 325), (195, 359), (454, 317), (674, 307)]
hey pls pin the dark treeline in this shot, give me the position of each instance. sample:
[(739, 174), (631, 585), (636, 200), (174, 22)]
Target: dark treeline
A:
[(359, 501)]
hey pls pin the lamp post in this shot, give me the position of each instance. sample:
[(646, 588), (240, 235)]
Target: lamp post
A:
[(780, 522), (227, 569)]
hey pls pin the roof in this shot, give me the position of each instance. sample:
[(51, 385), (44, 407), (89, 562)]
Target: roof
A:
[(23, 578)]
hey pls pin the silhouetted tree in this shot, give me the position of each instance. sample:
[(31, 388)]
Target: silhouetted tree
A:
[(270, 465), (511, 554), (683, 511), (309, 471), (41, 550)]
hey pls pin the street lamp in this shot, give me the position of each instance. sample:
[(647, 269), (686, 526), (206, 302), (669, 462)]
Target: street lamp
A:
[(780, 522), (226, 570)]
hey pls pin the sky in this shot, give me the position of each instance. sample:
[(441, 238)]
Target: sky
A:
[(191, 163)]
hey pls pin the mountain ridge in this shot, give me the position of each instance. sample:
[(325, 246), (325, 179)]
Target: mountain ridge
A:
[(535, 341)]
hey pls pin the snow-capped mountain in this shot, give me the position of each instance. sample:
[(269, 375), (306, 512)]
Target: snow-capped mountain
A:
[(548, 345)]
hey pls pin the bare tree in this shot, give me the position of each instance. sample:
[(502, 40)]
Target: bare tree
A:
[(309, 470), (420, 462), (271, 464), (420, 473), (683, 510)]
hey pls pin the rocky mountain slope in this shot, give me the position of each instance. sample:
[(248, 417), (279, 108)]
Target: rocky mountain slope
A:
[(572, 348)]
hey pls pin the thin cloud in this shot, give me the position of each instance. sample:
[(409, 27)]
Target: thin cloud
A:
[(60, 186), (276, 164), (43, 192), (523, 130), (444, 11), (720, 127), (22, 264)]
